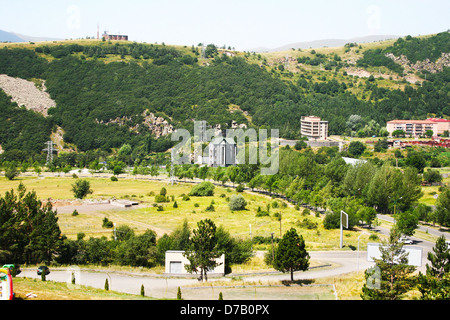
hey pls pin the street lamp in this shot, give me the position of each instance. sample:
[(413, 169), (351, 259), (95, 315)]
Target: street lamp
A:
[(273, 255)]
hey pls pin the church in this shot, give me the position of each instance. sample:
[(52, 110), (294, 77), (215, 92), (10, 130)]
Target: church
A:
[(222, 152)]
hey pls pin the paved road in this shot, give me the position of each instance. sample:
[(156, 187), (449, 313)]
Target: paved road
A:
[(339, 262), (430, 230)]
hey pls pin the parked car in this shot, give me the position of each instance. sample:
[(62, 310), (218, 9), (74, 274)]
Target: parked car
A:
[(44, 269), (13, 268), (448, 243), (405, 240)]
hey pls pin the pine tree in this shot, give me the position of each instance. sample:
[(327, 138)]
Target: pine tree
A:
[(179, 294), (202, 252), (435, 285), (142, 291), (440, 259), (291, 254), (106, 285), (391, 273)]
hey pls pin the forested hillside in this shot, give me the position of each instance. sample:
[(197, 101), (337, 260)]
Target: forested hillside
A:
[(102, 90)]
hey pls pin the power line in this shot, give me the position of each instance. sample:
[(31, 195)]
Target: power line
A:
[(50, 150)]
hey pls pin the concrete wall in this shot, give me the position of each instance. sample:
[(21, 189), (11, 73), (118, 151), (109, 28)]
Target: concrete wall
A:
[(175, 262)]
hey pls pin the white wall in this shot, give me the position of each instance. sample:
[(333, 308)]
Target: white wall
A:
[(177, 257)]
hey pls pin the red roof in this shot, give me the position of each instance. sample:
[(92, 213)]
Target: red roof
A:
[(438, 120)]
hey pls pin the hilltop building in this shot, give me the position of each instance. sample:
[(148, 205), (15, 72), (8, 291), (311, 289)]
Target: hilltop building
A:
[(314, 128), (417, 128), (108, 37)]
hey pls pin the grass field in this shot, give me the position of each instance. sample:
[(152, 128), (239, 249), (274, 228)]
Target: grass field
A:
[(50, 290), (238, 223)]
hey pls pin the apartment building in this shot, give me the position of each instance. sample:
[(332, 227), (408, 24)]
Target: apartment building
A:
[(417, 128), (314, 128)]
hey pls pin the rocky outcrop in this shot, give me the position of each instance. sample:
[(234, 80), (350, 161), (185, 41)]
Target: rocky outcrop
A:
[(25, 93), (427, 65), (158, 125)]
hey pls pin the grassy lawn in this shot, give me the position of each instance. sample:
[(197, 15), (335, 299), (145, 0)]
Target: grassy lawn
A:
[(148, 217), (50, 290)]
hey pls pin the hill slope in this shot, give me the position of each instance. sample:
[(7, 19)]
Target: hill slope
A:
[(105, 91)]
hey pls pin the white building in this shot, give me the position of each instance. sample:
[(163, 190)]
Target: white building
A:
[(314, 128), (176, 262), (353, 161), (222, 152)]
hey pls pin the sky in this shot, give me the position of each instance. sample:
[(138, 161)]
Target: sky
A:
[(242, 24)]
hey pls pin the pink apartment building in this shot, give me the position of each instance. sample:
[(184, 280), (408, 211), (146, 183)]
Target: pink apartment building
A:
[(417, 128)]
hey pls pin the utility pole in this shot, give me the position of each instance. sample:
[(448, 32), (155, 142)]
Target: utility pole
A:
[(50, 149), (273, 255), (172, 169), (344, 223)]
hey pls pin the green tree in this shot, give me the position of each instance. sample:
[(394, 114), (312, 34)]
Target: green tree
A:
[(416, 160), (291, 254), (138, 250), (435, 285), (443, 208), (29, 230), (202, 251), (356, 148), (392, 273), (204, 189), (407, 222), (81, 188), (11, 171), (432, 176), (439, 258), (382, 190)]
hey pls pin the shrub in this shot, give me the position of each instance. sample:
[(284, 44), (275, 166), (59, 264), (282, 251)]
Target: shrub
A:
[(306, 212), (107, 224), (74, 213), (210, 208), (204, 189), (307, 224), (262, 214), (175, 205), (81, 188), (160, 198), (240, 188), (237, 203), (114, 178)]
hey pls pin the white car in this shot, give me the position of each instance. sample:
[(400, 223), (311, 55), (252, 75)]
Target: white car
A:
[(405, 240), (448, 243)]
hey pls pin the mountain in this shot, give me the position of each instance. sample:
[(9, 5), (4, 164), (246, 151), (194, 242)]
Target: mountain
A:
[(16, 37), (325, 43), (111, 93), (35, 39), (9, 37)]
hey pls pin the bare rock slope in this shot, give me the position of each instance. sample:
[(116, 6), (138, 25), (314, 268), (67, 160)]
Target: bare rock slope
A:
[(25, 93)]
